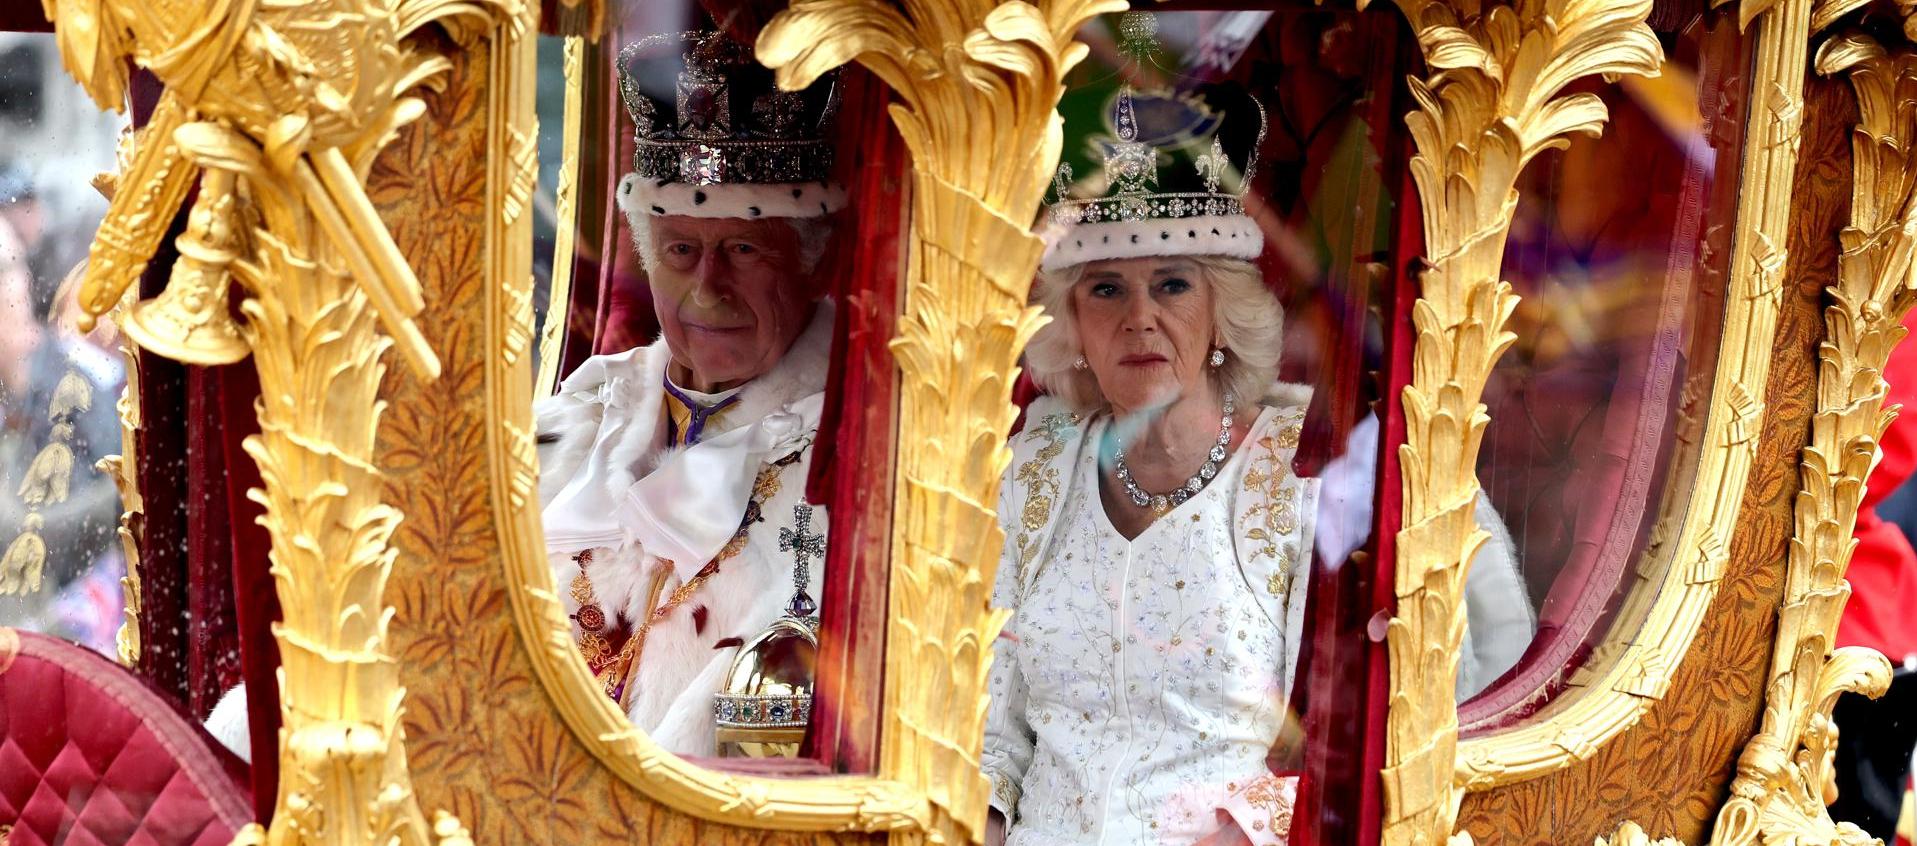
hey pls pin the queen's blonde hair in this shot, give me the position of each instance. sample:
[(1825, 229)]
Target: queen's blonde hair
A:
[(1244, 314)]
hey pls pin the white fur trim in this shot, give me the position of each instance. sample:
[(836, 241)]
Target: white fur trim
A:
[(1499, 623), (608, 411), (1232, 236), (229, 724), (657, 197), (1282, 394)]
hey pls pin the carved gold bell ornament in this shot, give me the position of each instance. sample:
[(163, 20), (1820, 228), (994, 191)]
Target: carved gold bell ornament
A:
[(766, 703), (290, 95), (189, 321)]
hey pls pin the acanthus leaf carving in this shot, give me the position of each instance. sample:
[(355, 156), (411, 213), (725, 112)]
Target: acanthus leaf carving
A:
[(1784, 773), (978, 84), (1495, 101)]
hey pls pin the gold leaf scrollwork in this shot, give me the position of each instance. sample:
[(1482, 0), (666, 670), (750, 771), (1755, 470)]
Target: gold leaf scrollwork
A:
[(1785, 771), (278, 111), (126, 477), (979, 83), (1494, 102), (566, 210)]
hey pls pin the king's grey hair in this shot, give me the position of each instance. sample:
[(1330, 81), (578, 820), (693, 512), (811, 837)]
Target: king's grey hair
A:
[(1245, 313)]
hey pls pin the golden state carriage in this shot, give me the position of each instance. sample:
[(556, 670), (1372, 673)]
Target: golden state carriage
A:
[(1596, 297)]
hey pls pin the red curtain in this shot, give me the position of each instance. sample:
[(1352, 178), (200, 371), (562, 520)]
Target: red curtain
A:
[(207, 600), (853, 478)]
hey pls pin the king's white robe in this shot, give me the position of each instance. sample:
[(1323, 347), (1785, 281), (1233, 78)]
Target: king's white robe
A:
[(603, 432)]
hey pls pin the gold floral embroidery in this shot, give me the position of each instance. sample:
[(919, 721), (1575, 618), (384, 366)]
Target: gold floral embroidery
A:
[(1276, 516), (1040, 481), (1288, 436), (1006, 791), (1269, 795)]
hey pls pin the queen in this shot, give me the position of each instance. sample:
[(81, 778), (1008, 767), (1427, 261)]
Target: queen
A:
[(1158, 542)]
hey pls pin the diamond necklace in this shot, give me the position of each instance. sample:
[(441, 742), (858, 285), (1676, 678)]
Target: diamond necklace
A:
[(1161, 503)]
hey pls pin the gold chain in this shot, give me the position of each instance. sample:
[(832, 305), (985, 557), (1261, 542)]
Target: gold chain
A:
[(621, 668)]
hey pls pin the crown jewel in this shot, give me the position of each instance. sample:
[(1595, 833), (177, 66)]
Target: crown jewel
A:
[(723, 121), (1150, 168)]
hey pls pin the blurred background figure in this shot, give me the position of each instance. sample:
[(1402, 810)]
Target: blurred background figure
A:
[(44, 367), (1876, 738), (22, 210), (52, 142)]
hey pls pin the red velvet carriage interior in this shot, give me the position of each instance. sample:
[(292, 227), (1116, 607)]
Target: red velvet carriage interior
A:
[(90, 754)]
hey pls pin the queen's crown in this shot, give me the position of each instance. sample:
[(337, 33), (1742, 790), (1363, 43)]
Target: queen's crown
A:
[(1167, 157)]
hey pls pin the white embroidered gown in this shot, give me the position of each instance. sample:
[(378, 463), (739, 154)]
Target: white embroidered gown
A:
[(1140, 684)]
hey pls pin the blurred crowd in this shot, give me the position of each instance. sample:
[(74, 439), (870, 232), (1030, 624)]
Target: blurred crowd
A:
[(60, 556), (1876, 737)]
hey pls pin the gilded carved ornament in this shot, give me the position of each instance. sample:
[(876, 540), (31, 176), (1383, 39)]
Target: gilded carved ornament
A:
[(1632, 834), (126, 477), (125, 474), (47, 482), (277, 111), (1785, 772), (552, 329), (1630, 675), (978, 83), (1493, 103)]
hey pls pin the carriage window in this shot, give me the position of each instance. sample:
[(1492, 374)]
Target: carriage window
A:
[(61, 559), (1192, 500), (1619, 250), (716, 441)]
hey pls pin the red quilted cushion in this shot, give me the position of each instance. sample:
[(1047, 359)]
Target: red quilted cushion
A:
[(90, 755)]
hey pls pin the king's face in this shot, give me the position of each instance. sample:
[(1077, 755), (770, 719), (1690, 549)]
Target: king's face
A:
[(730, 296)]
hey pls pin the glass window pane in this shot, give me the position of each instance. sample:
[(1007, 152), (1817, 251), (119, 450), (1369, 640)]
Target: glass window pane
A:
[(1619, 250), (1222, 238), (60, 554), (729, 245)]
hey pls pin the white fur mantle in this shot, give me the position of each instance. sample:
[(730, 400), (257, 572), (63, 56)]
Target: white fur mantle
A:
[(610, 410)]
